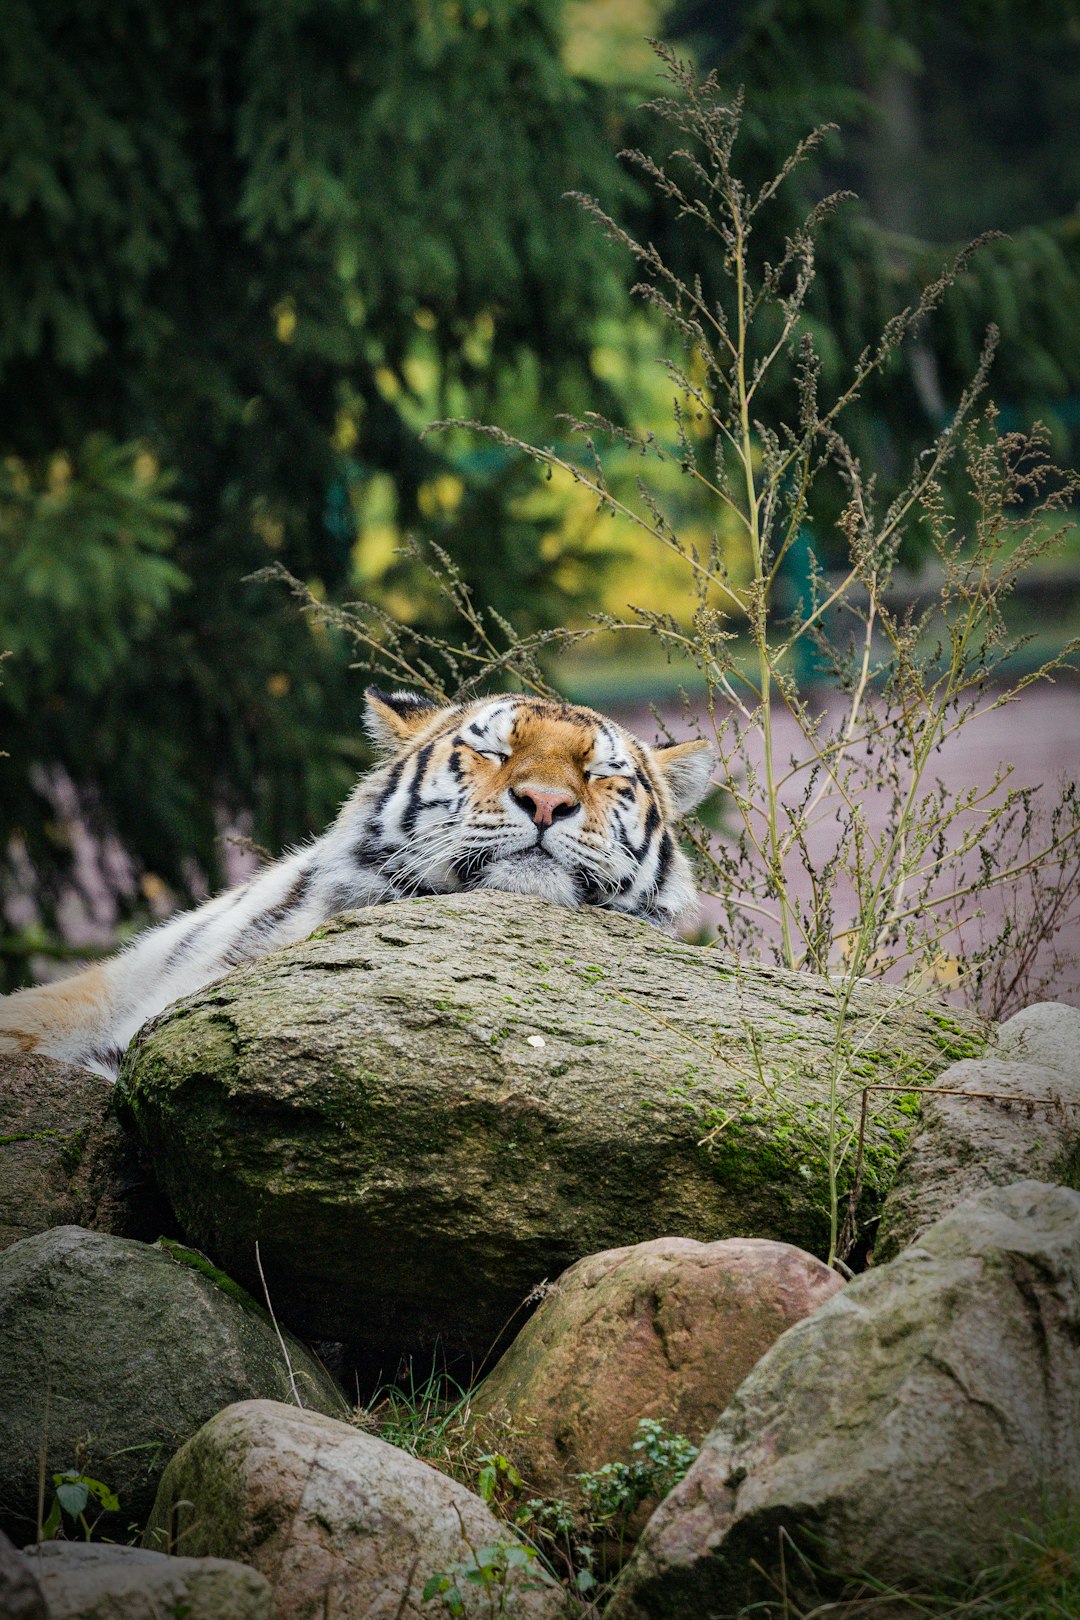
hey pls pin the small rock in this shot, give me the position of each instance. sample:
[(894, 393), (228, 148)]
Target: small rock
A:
[(64, 1157), (667, 1330), (1046, 1034), (964, 1144), (88, 1581), (899, 1432), (118, 1351), (21, 1598), (340, 1523)]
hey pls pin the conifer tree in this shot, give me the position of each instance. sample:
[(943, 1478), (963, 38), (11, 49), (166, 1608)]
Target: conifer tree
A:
[(238, 243)]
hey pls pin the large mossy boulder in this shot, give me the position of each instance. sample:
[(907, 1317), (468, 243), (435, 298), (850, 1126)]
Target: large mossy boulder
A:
[(896, 1436), (112, 1353), (428, 1108)]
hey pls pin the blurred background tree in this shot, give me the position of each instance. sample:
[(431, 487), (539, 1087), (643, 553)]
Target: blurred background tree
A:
[(954, 120), (244, 248), (249, 252)]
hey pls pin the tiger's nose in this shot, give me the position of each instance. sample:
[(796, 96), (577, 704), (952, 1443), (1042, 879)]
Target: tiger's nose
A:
[(544, 808)]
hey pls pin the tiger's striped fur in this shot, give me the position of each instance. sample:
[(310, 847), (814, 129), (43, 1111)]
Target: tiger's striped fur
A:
[(513, 793)]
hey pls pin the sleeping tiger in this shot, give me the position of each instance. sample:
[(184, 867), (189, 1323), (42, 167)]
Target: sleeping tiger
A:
[(513, 793)]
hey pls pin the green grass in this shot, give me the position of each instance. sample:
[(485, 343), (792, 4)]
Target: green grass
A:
[(1036, 1577)]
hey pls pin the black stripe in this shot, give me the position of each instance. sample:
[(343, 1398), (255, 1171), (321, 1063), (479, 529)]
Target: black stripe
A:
[(184, 946), (391, 784), (667, 852), (412, 809), (369, 850), (591, 892), (253, 934), (289, 902)]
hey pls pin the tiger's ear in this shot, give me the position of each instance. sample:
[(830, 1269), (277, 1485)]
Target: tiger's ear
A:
[(686, 768), (392, 719)]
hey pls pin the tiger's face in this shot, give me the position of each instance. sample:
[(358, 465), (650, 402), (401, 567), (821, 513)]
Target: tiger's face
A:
[(531, 796)]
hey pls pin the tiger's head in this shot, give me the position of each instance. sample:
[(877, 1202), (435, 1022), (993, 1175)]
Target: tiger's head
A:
[(529, 795)]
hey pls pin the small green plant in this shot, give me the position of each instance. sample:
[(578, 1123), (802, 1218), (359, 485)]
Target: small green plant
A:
[(429, 1417), (578, 1543), (659, 1461), (496, 1469), (73, 1494), (587, 1540), (490, 1568)]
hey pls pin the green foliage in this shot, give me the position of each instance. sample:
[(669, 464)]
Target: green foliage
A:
[(490, 1568), (948, 116), (73, 1493), (587, 1539), (250, 246), (659, 1461), (493, 1468), (76, 609), (579, 1542), (427, 1417)]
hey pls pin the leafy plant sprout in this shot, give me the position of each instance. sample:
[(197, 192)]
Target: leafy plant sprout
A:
[(73, 1494), (807, 876)]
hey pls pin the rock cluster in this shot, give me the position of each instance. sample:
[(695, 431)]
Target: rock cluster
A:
[(111, 1354), (901, 1431), (432, 1113)]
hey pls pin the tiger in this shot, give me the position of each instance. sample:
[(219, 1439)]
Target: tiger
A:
[(526, 794)]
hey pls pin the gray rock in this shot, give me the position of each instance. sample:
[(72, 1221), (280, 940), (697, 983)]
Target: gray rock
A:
[(21, 1598), (665, 1330), (1046, 1034), (1028, 1128), (64, 1157), (87, 1581), (430, 1107), (899, 1432), (340, 1523), (108, 1345)]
